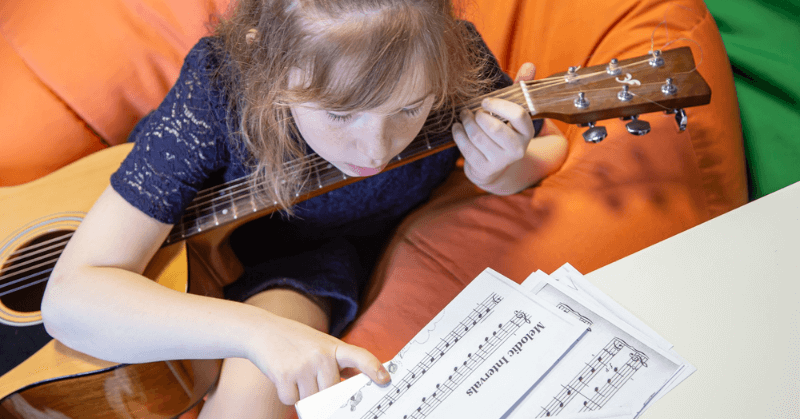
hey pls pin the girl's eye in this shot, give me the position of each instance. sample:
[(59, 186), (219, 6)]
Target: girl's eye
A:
[(413, 111), (339, 118)]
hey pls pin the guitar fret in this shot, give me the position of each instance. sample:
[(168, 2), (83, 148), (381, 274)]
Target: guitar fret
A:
[(233, 206)]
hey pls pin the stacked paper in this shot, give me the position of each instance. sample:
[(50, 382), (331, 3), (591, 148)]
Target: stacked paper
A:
[(553, 346)]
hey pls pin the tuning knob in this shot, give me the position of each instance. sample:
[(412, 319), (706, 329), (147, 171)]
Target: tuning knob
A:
[(625, 95), (613, 67), (637, 126), (656, 60), (594, 134), (680, 118), (572, 75), (668, 88), (581, 102)]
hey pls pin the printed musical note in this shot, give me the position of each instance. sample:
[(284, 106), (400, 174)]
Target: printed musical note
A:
[(595, 390), (478, 314), (473, 360), (467, 356)]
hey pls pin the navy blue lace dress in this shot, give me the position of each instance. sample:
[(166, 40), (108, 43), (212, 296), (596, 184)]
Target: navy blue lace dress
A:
[(327, 250)]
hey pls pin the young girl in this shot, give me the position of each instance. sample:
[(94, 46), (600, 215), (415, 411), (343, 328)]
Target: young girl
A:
[(352, 81)]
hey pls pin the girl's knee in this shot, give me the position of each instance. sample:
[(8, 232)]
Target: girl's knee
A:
[(294, 305)]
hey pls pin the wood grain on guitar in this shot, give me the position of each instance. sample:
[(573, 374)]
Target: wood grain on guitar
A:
[(38, 219)]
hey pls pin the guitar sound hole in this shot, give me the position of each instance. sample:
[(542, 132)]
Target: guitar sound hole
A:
[(24, 276)]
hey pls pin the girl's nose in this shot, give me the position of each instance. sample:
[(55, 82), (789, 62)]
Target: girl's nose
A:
[(376, 143)]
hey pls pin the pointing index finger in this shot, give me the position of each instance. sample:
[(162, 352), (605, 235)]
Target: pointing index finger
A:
[(348, 356)]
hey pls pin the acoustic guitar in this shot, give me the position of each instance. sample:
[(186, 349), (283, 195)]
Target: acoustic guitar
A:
[(38, 218)]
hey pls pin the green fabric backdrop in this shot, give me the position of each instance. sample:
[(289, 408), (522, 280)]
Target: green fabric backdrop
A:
[(763, 43)]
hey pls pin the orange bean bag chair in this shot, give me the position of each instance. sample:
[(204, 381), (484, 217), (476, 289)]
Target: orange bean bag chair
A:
[(76, 79), (607, 201), (78, 76)]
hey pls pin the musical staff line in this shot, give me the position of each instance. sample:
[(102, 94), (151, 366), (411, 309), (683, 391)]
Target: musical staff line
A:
[(477, 315), (461, 372), (598, 396)]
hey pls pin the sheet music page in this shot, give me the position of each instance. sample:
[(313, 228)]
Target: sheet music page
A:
[(613, 365), (588, 290), (477, 358), (606, 306)]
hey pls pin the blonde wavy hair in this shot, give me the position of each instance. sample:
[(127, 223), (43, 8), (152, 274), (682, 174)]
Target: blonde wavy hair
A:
[(376, 40)]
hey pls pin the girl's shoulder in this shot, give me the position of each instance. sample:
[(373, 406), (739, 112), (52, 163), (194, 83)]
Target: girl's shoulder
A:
[(205, 54), (205, 61)]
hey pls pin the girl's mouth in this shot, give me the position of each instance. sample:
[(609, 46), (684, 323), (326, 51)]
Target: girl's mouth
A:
[(364, 171)]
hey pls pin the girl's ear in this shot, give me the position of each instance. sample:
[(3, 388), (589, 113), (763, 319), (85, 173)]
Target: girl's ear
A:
[(251, 36)]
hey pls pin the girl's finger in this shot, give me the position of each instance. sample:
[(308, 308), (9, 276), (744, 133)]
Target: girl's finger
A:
[(476, 135), (526, 72), (288, 393), (516, 115), (467, 148), (352, 356), (327, 377), (307, 386)]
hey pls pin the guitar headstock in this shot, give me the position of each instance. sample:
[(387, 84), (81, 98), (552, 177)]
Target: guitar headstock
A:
[(660, 81), (646, 79)]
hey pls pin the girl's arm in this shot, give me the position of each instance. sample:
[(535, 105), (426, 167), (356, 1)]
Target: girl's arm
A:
[(97, 302)]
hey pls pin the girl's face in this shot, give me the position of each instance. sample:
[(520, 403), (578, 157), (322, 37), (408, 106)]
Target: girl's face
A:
[(362, 143)]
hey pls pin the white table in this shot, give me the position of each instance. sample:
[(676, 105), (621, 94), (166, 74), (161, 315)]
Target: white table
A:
[(727, 295)]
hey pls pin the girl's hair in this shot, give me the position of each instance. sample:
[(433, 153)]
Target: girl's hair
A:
[(372, 41)]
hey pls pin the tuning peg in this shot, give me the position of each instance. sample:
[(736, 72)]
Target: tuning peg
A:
[(581, 101), (594, 134), (624, 95), (680, 118), (637, 126), (572, 74), (668, 88), (613, 67), (656, 60)]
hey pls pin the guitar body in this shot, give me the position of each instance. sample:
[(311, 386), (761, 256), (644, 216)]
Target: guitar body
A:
[(42, 378), (153, 390)]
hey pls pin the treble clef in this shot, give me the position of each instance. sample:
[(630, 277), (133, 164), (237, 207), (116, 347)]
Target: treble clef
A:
[(522, 315)]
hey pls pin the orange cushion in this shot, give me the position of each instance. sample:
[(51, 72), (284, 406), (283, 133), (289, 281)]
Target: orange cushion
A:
[(86, 73), (607, 201), (40, 133)]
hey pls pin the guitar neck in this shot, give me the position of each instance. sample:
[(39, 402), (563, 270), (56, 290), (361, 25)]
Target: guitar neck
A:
[(650, 83), (238, 201)]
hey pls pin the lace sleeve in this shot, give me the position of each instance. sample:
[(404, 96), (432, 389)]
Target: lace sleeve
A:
[(178, 146)]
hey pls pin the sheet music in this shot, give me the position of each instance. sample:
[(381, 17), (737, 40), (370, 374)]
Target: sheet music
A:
[(553, 346), (609, 308), (613, 365), (589, 292), (485, 350)]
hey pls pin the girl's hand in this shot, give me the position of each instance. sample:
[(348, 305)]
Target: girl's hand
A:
[(489, 145), (301, 360)]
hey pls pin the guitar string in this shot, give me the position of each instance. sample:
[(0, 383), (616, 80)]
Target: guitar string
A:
[(509, 92), (217, 189), (235, 192), (32, 260), (35, 259), (504, 93), (541, 83), (314, 160), (230, 197), (247, 186), (245, 190), (15, 256)]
